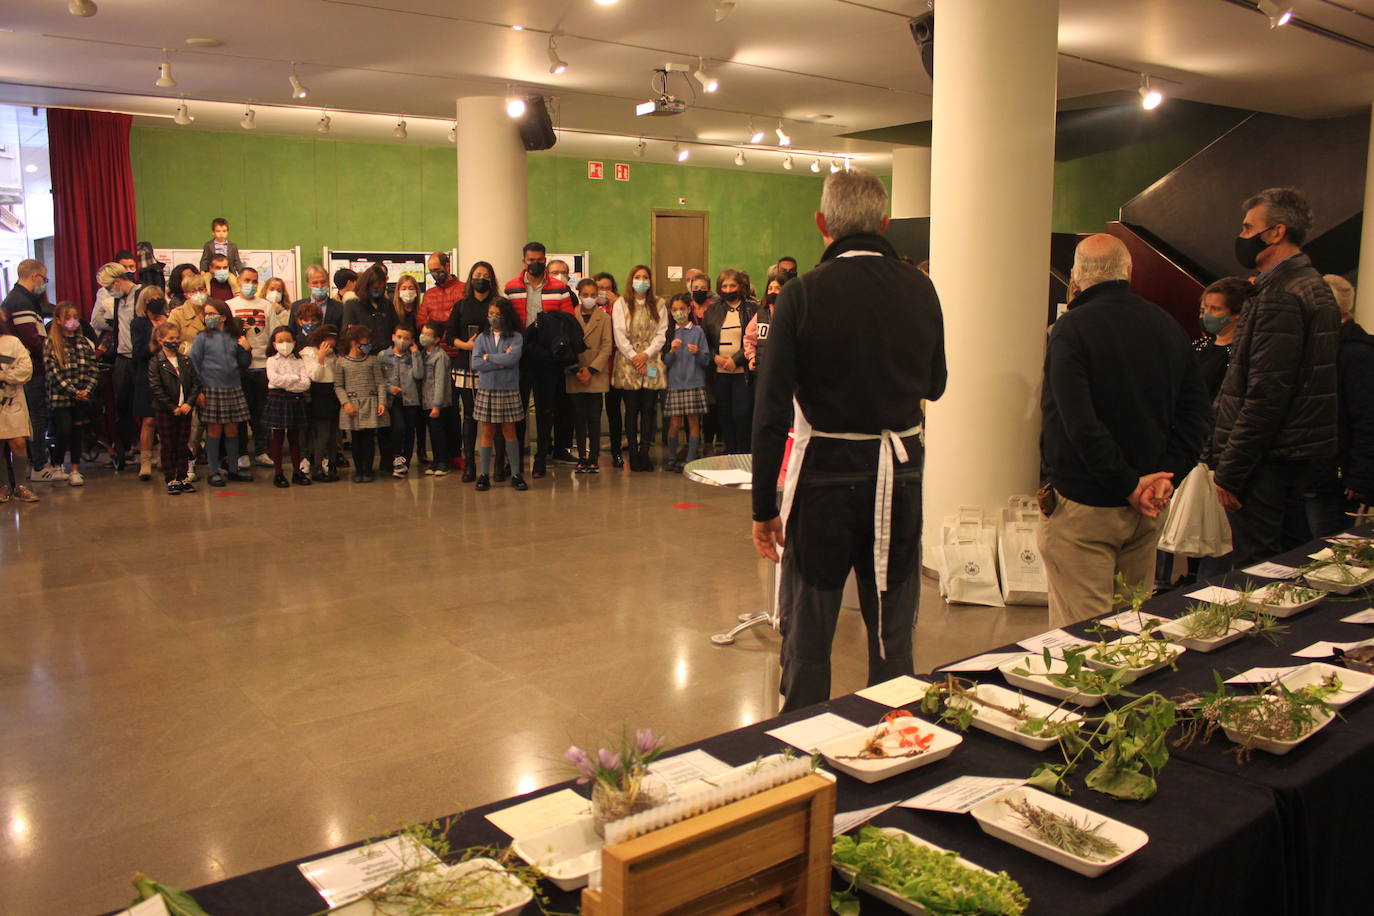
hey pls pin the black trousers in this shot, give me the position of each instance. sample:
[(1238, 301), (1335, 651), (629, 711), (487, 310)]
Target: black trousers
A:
[(639, 417), (587, 425), (255, 393), (615, 419), (404, 421), (465, 397), (66, 435), (735, 401), (441, 430), (363, 442), (1273, 513), (122, 381), (830, 532), (553, 412)]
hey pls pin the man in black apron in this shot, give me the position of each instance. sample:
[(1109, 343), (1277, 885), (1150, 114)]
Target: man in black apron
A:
[(853, 348)]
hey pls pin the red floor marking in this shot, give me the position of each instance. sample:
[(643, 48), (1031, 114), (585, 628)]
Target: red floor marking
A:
[(687, 506), (228, 493)]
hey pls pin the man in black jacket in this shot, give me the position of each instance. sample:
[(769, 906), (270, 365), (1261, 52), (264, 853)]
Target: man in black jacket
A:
[(855, 344), (1125, 414), (1276, 413)]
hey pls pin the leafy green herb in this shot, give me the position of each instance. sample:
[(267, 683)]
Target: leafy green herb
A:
[(935, 880), (1275, 713), (179, 903), (1063, 832)]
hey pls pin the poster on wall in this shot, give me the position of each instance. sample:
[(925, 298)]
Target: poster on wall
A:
[(268, 262), (398, 264), (579, 265)]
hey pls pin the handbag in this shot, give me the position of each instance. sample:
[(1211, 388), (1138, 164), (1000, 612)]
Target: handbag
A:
[(1196, 525)]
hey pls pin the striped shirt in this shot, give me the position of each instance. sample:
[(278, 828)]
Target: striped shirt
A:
[(553, 296)]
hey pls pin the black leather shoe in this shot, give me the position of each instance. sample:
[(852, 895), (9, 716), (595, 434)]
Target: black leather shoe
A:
[(540, 469), (617, 460), (300, 479), (518, 483), (470, 472), (563, 456), (483, 483), (216, 480), (240, 476), (279, 481), (502, 475)]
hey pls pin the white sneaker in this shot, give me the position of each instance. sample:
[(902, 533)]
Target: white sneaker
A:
[(58, 473), (75, 479), (245, 463), (43, 474), (263, 461)]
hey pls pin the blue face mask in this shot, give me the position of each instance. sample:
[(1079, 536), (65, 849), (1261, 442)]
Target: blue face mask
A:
[(247, 290), (317, 293), (641, 286), (222, 276), (307, 328), (1215, 324), (366, 348), (212, 322), (376, 293)]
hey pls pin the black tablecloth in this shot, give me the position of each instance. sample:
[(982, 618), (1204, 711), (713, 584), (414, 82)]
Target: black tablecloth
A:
[(1275, 835)]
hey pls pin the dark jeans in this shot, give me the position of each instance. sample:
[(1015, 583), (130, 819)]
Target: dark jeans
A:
[(36, 394), (639, 417), (1326, 513), (615, 419), (441, 437), (465, 397), (735, 399), (255, 393), (1273, 513), (122, 381), (830, 532), (404, 421), (66, 434), (587, 425)]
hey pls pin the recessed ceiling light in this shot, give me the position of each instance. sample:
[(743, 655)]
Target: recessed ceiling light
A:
[(204, 42), (517, 28)]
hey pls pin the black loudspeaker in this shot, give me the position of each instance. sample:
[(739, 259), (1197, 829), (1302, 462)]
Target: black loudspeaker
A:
[(536, 127), (923, 31)]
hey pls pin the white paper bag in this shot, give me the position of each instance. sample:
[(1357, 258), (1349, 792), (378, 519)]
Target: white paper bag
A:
[(964, 515), (1019, 560), (971, 566), (1196, 525)]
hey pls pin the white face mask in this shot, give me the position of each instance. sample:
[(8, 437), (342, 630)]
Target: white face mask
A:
[(198, 299), (284, 347), (274, 296), (407, 295), (589, 302)]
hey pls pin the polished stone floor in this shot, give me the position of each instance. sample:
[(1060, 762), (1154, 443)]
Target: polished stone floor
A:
[(202, 685)]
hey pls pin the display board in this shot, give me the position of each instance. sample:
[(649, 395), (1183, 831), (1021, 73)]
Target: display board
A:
[(397, 263), (579, 265), (268, 262)]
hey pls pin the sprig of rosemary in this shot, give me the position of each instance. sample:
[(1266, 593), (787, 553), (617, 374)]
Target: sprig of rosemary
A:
[(1063, 832)]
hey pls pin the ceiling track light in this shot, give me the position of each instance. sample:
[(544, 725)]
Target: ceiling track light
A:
[(834, 165), (815, 165), (1278, 14), (557, 64), (723, 8), (298, 90), (322, 125), (680, 152), (783, 139), (82, 8), (755, 135), (249, 119), (164, 73), (708, 82), (453, 133), (640, 147), (183, 115), (1150, 97), (739, 158), (515, 104), (399, 131), (787, 163)]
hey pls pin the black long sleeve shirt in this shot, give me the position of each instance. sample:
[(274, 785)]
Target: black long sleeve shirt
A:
[(859, 342), (1123, 397)]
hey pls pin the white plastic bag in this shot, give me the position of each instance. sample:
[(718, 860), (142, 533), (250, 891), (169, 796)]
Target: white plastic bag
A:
[(1018, 555), (1196, 525)]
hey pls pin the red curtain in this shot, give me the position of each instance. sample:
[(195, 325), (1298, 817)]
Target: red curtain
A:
[(93, 197)]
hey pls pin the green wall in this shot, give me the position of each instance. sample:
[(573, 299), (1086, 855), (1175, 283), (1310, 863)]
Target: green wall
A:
[(278, 192)]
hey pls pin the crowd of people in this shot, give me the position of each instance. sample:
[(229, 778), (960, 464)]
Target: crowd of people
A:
[(210, 364)]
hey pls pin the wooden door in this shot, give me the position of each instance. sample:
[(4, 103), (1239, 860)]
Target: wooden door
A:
[(679, 242)]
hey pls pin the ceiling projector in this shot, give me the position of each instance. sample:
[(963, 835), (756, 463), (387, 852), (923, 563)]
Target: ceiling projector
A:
[(661, 106)]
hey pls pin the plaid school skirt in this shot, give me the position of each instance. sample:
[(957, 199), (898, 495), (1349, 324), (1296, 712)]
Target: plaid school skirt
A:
[(285, 410), (683, 401), (497, 406), (224, 405)]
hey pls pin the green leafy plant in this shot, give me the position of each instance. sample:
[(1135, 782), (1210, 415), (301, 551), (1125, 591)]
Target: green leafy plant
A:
[(1213, 620), (955, 701), (1275, 713), (1062, 831), (179, 903), (936, 880)]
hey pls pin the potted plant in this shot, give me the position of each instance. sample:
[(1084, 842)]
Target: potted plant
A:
[(618, 776)]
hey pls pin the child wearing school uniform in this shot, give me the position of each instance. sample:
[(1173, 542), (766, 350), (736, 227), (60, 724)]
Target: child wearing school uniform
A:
[(496, 360), (403, 368), (687, 357), (436, 398), (173, 386), (288, 380), (589, 380), (72, 372), (16, 368), (220, 359), (361, 391), (323, 429)]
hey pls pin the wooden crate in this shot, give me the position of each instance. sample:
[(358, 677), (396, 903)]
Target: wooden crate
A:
[(768, 853)]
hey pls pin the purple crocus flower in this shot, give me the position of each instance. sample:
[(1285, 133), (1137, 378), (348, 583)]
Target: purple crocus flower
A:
[(579, 759), (646, 741), (609, 760)]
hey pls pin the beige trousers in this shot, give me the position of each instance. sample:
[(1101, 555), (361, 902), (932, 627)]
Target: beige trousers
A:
[(1084, 547)]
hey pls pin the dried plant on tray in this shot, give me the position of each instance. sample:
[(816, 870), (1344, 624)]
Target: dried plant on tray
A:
[(892, 740), (1275, 713), (956, 701), (1062, 831)]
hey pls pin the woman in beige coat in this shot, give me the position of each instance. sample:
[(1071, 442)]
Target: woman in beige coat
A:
[(590, 379)]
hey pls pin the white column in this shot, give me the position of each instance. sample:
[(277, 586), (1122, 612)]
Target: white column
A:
[(1364, 290), (992, 195), (910, 181), (491, 187)]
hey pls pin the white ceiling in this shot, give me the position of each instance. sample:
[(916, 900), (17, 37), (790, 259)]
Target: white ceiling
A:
[(371, 61)]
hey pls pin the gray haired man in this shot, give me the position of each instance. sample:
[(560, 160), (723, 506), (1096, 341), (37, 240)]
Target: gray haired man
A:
[(853, 348), (1125, 413), (1277, 411)]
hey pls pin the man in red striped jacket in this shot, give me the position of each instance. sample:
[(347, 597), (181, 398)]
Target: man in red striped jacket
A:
[(532, 293)]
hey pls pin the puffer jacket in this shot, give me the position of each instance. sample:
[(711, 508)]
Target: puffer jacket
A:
[(1353, 467), (1278, 400)]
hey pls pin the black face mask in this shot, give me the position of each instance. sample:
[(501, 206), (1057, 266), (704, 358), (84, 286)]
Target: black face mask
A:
[(536, 269), (699, 296), (731, 297), (440, 277), (1249, 249), (788, 275), (481, 285), (772, 297), (376, 293), (155, 306)]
